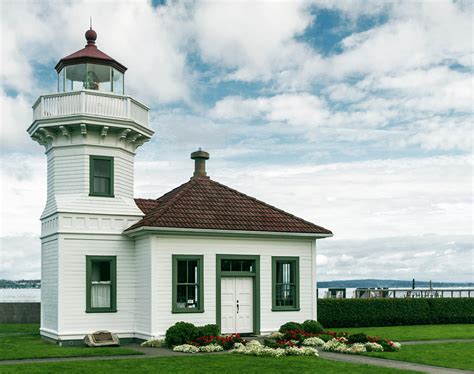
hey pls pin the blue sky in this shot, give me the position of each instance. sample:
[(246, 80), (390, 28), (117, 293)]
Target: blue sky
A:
[(355, 115)]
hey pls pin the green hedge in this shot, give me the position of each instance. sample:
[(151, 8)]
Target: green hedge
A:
[(390, 312)]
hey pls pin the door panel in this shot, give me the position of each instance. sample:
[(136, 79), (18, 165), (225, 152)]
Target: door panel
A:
[(228, 305), (233, 318), (244, 295)]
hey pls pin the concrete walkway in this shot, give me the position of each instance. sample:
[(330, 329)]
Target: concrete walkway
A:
[(356, 359), (404, 365), (439, 341)]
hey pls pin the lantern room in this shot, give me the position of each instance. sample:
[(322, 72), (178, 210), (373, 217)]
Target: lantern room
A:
[(90, 69)]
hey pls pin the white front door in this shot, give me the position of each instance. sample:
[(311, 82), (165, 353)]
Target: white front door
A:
[(236, 305)]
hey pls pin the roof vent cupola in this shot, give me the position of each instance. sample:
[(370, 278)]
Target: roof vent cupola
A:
[(200, 158)]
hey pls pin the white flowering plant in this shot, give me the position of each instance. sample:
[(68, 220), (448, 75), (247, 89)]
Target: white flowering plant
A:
[(373, 347), (313, 342), (255, 348), (186, 348), (211, 348)]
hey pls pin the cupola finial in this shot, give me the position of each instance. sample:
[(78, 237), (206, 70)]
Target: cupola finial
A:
[(91, 35)]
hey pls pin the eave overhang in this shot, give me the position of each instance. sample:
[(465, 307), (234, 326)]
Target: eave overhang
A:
[(223, 233)]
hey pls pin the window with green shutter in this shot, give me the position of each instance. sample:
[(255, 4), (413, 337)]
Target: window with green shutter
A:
[(285, 283), (101, 176), (187, 282)]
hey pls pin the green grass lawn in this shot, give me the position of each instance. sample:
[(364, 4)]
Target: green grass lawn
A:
[(23, 341), (451, 355), (417, 332), (202, 364), (11, 328)]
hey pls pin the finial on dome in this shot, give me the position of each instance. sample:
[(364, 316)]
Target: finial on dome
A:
[(91, 35)]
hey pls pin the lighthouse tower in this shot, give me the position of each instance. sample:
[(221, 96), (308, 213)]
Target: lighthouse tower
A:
[(90, 130)]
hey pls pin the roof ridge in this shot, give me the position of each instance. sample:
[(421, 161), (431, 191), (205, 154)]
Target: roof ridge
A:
[(266, 204)]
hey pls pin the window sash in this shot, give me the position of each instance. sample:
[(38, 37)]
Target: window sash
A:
[(101, 179), (101, 295), (285, 283), (192, 290)]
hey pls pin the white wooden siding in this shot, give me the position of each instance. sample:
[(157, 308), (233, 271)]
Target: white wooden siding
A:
[(163, 247), (74, 321), (143, 286), (68, 182), (49, 285)]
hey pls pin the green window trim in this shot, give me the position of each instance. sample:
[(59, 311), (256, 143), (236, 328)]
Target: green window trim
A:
[(92, 160), (296, 265), (200, 279), (113, 284)]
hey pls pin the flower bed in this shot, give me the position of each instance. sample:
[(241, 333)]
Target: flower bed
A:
[(210, 344), (255, 348), (330, 341)]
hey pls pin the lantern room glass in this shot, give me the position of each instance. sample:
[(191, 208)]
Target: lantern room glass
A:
[(91, 77)]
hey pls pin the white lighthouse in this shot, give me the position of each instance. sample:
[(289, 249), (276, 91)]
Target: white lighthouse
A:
[(90, 130)]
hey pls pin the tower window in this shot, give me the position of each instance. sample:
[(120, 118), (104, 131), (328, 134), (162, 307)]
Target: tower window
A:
[(101, 280), (101, 176)]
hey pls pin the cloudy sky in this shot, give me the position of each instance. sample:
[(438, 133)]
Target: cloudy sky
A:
[(355, 115)]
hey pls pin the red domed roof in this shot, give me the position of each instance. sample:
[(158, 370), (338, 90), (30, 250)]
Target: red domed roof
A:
[(90, 53)]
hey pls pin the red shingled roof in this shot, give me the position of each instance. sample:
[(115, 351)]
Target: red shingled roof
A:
[(90, 53), (203, 203)]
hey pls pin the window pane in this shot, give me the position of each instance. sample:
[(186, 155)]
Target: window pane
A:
[(101, 185), (181, 296), (117, 82), (285, 272), (182, 272), (225, 265), (102, 168), (98, 78), (75, 75), (192, 301), (285, 295), (100, 295), (100, 271), (192, 271), (247, 265)]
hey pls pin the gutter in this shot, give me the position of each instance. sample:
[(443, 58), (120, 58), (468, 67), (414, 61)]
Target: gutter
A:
[(212, 232)]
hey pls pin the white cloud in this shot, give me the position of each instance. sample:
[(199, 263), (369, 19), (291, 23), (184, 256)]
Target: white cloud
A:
[(295, 109), (253, 39), (16, 116), (22, 193), (423, 257), (128, 31), (20, 257)]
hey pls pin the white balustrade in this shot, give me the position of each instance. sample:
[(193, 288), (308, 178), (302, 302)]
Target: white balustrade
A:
[(90, 103)]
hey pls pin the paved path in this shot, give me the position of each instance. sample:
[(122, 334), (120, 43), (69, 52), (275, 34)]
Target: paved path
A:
[(439, 341), (356, 359)]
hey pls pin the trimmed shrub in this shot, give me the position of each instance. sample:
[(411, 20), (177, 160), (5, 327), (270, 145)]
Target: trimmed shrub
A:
[(180, 333), (312, 326), (357, 338), (290, 326), (207, 330), (394, 312)]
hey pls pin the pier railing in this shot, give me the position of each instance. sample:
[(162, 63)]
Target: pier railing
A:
[(388, 293)]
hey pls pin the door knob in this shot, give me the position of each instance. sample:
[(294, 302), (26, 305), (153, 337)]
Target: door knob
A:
[(237, 306)]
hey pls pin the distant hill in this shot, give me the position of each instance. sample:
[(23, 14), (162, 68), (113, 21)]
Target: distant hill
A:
[(390, 283), (23, 283)]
